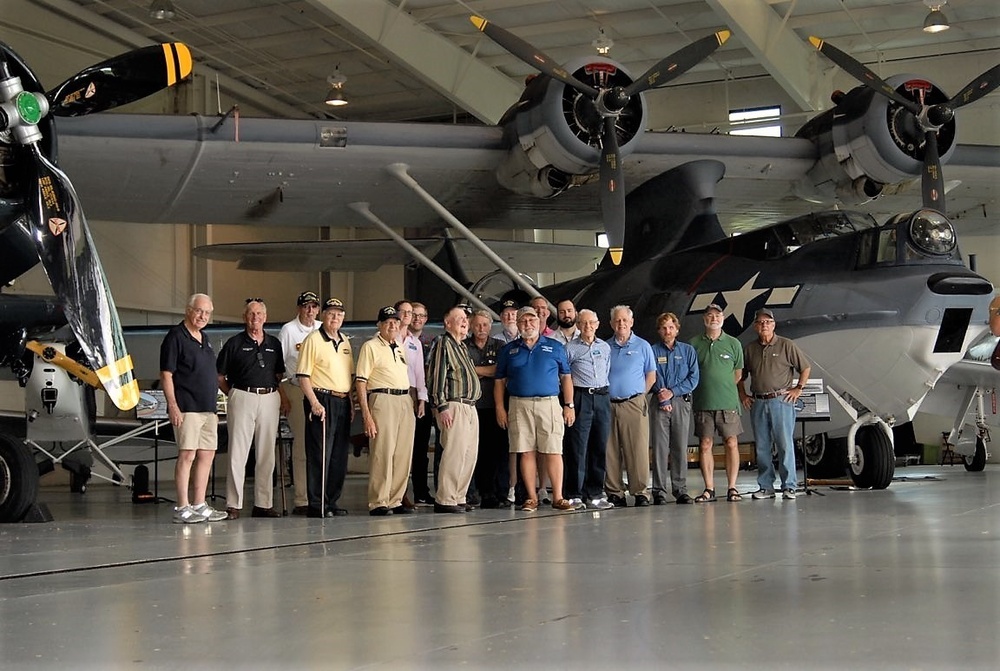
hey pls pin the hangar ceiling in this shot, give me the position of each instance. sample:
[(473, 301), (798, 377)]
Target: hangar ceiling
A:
[(420, 60)]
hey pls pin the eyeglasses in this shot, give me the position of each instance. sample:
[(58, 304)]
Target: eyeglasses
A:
[(253, 300), (260, 359), (765, 322), (420, 315)]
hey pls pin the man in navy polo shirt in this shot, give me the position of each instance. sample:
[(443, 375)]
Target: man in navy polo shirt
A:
[(633, 372), (534, 369)]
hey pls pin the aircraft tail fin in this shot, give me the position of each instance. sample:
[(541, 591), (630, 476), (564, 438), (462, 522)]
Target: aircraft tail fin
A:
[(672, 211)]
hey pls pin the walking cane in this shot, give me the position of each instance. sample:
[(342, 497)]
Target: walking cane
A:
[(281, 472), (322, 495)]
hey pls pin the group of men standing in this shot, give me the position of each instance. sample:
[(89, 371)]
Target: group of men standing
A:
[(571, 410)]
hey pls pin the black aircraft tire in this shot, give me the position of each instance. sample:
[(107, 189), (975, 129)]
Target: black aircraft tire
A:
[(876, 461), (827, 456), (977, 461), (18, 479)]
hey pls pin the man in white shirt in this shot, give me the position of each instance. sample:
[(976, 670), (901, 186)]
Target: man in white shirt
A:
[(291, 336)]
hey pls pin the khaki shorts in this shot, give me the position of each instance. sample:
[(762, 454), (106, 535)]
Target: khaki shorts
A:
[(198, 431), (535, 424), (726, 422)]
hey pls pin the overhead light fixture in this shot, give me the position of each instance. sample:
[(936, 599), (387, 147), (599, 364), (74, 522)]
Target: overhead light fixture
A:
[(603, 43), (936, 21), (161, 10), (335, 98)]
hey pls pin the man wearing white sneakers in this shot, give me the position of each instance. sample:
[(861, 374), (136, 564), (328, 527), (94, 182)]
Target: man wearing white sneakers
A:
[(190, 385)]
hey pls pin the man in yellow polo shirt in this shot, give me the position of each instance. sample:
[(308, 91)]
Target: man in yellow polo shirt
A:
[(383, 388), (325, 374)]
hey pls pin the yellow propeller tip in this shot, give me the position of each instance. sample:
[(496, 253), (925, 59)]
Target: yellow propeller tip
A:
[(816, 42), (616, 255), (723, 35), (478, 22)]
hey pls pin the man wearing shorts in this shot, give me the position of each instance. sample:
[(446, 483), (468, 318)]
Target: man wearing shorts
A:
[(716, 401), (534, 369), (190, 386)]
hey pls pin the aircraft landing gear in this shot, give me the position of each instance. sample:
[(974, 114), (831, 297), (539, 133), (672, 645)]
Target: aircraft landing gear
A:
[(872, 461), (976, 462), (18, 479)]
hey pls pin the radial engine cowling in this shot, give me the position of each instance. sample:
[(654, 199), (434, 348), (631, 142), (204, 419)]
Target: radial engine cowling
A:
[(554, 130), (868, 144)]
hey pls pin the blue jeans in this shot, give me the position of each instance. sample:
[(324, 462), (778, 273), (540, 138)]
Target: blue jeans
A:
[(774, 423)]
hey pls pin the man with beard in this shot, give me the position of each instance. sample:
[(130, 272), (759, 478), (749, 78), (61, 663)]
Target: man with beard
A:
[(535, 371), (566, 321)]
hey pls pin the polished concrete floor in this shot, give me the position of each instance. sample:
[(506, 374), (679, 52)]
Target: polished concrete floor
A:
[(905, 578)]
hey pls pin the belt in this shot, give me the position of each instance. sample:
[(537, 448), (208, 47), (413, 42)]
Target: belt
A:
[(770, 394), (257, 390), (532, 398), (463, 401), (627, 398), (593, 391), (338, 394), (391, 392)]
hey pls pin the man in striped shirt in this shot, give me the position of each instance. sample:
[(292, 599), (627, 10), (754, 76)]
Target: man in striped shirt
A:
[(453, 387)]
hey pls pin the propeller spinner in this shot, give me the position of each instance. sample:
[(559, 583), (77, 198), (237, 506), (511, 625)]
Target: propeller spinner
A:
[(58, 226), (608, 103), (928, 118)]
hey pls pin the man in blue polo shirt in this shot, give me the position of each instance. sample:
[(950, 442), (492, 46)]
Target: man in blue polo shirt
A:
[(633, 372), (534, 370)]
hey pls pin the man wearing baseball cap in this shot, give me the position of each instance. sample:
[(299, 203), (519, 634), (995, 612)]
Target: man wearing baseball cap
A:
[(778, 370), (291, 336), (325, 373), (383, 389)]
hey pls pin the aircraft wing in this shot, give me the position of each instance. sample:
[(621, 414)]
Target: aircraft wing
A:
[(370, 255), (184, 169)]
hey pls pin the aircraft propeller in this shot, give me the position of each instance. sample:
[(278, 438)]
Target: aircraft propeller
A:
[(58, 226), (929, 118), (608, 103)]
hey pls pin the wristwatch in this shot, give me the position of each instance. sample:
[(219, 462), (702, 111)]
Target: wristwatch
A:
[(569, 405)]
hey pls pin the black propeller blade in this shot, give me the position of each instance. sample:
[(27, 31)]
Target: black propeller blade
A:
[(58, 226), (929, 117), (121, 80), (609, 103)]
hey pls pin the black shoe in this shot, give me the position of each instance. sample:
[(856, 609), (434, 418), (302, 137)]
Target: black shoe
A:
[(264, 512), (641, 501), (381, 511), (401, 510), (301, 510), (473, 500), (659, 499), (336, 512), (619, 501), (489, 503), (313, 512), (684, 499), (426, 500), (441, 508)]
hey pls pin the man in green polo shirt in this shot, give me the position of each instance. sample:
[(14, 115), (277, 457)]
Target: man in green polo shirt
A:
[(716, 401)]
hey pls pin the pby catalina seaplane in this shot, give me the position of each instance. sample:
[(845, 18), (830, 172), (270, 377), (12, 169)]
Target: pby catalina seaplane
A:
[(41, 219)]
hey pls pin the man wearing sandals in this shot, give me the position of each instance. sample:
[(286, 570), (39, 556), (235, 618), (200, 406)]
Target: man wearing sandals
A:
[(716, 402), (778, 370)]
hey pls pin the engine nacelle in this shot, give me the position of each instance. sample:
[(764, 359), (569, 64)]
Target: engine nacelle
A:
[(554, 130), (868, 143)]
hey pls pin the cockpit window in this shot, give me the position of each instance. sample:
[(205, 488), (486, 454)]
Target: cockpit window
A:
[(886, 246), (784, 239)]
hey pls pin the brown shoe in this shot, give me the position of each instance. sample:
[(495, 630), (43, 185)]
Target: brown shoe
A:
[(264, 512), (300, 510), (563, 504), (232, 513)]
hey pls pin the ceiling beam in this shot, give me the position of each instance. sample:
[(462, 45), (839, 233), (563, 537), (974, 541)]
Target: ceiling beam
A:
[(789, 61), (456, 74)]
